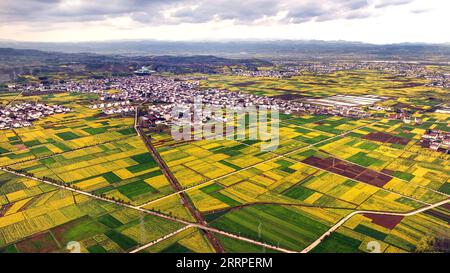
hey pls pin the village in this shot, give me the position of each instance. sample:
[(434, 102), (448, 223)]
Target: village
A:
[(287, 69), (162, 93), (436, 140), (23, 114), (123, 96)]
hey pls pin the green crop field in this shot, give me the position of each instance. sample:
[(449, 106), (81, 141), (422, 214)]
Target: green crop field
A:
[(87, 177)]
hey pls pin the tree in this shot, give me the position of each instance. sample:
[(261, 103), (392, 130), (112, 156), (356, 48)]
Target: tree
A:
[(426, 245)]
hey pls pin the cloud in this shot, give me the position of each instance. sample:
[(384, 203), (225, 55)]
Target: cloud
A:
[(53, 11), (420, 11), (327, 10), (238, 10), (387, 3), (162, 12)]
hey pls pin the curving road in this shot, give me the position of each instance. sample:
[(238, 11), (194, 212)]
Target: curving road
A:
[(178, 188), (343, 220), (197, 225), (237, 237)]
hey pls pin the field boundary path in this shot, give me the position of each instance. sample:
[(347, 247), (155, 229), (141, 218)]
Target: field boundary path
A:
[(167, 217), (343, 220), (167, 236), (14, 99), (227, 234), (279, 156), (286, 156), (178, 188)]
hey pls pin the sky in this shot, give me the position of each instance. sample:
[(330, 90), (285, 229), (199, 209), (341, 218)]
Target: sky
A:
[(370, 21)]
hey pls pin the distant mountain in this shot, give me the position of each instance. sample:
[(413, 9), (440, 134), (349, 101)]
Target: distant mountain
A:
[(238, 49), (62, 57), (15, 62)]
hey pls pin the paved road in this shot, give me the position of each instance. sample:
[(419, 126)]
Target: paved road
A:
[(319, 168), (444, 195), (14, 99), (160, 239), (64, 187), (234, 236), (136, 121), (178, 188), (343, 220), (197, 225), (277, 156)]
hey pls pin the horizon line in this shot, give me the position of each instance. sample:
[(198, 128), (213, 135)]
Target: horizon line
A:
[(221, 41)]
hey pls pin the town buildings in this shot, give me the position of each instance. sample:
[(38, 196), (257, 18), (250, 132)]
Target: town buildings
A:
[(23, 114)]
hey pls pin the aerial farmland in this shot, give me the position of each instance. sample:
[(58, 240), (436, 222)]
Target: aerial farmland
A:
[(224, 136), (115, 181)]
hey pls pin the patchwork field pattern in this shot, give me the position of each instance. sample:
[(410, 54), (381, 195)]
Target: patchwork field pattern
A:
[(36, 217), (121, 169), (324, 168)]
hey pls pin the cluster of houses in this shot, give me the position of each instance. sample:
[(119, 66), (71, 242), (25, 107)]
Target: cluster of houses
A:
[(109, 104), (23, 114), (437, 79), (161, 112), (146, 88), (405, 117), (443, 110), (119, 110), (291, 68), (163, 91), (144, 71), (114, 107), (284, 69), (436, 140)]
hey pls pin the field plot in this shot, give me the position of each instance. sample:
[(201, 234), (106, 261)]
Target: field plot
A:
[(5, 98), (259, 86), (190, 240), (78, 102), (122, 169), (353, 82), (393, 233), (197, 162), (297, 181), (60, 133), (36, 217), (47, 139), (171, 205), (358, 172), (336, 125), (324, 168), (341, 165), (12, 149), (295, 135), (373, 150), (293, 228), (237, 246), (273, 182)]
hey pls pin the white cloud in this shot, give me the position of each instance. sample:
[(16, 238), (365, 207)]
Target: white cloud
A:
[(375, 21)]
